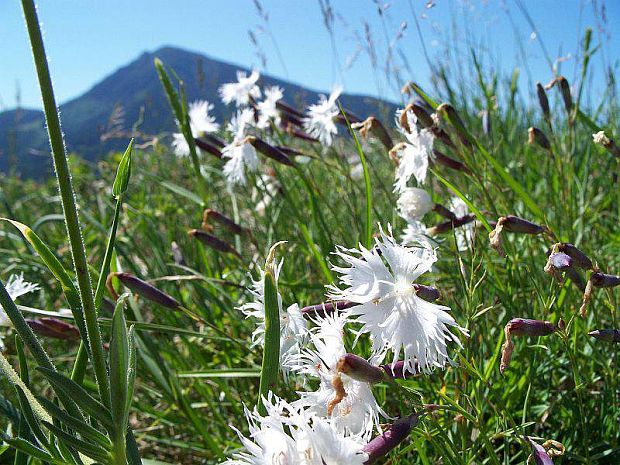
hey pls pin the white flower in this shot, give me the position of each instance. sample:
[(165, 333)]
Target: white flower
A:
[(199, 118), (413, 203), (200, 122), (464, 234), (242, 156), (270, 187), (319, 120), (241, 91), (293, 326), (240, 123), (413, 158), (289, 436), (358, 412), (267, 109), (414, 233), (381, 280), (15, 287)]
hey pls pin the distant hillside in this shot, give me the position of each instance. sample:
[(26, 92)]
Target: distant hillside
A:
[(136, 88)]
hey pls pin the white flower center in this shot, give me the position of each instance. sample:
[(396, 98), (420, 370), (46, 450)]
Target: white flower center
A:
[(402, 286)]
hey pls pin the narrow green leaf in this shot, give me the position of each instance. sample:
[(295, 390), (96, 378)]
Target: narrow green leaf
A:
[(28, 414), (86, 448), (183, 192), (78, 394), (32, 450)]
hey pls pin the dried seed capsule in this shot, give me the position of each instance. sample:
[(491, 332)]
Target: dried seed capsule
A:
[(211, 241), (54, 328), (326, 308), (269, 150), (609, 335), (397, 432), (146, 290), (536, 136), (604, 280), (360, 369), (207, 147), (543, 101)]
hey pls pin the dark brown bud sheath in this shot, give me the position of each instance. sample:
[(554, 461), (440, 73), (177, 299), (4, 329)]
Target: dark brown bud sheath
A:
[(579, 258), (359, 369), (292, 120), (373, 124), (424, 119), (443, 211), (221, 219), (327, 308), (428, 293), (565, 91), (543, 101), (398, 370), (450, 225), (54, 328), (609, 335), (445, 160), (177, 255), (290, 152), (456, 121), (146, 290), (536, 136), (397, 432), (539, 454), (604, 280), (213, 242), (522, 327), (292, 131), (280, 105), (214, 140), (269, 150), (352, 118), (209, 148)]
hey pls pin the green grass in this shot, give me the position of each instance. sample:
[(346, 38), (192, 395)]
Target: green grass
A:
[(192, 378)]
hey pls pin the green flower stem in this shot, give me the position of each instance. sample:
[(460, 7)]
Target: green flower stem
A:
[(68, 198)]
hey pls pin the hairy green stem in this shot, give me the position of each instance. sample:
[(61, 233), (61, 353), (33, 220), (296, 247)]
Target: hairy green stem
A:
[(68, 198)]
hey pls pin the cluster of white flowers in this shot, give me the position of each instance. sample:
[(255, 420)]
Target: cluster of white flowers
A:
[(334, 423), (16, 286), (200, 122), (319, 120)]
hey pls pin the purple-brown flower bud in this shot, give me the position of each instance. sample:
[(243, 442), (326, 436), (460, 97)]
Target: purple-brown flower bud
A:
[(373, 124), (609, 335), (456, 121), (360, 369), (565, 91), (536, 136), (326, 308), (280, 105), (214, 140), (290, 130), (397, 370), (290, 152), (543, 101), (428, 293), (604, 280), (445, 160), (397, 432), (449, 225), (269, 150), (54, 328), (540, 454), (579, 258), (522, 327), (213, 242), (221, 219), (424, 119), (443, 211), (514, 224), (208, 147), (144, 289)]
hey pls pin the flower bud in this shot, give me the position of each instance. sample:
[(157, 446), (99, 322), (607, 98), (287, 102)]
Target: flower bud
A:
[(54, 328), (326, 308), (397, 370), (543, 101), (214, 140), (397, 432), (213, 242), (428, 293), (207, 147), (222, 219), (522, 327), (609, 335), (450, 225), (290, 152), (457, 123), (373, 124), (443, 211), (424, 119), (536, 136), (514, 224), (443, 159), (540, 454), (290, 130), (565, 91), (280, 105), (269, 150), (604, 280), (560, 261), (144, 289), (579, 258), (360, 369)]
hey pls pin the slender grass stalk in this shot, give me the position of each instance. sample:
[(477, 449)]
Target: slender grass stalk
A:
[(67, 195)]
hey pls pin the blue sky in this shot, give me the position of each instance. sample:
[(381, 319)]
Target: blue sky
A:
[(88, 39)]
